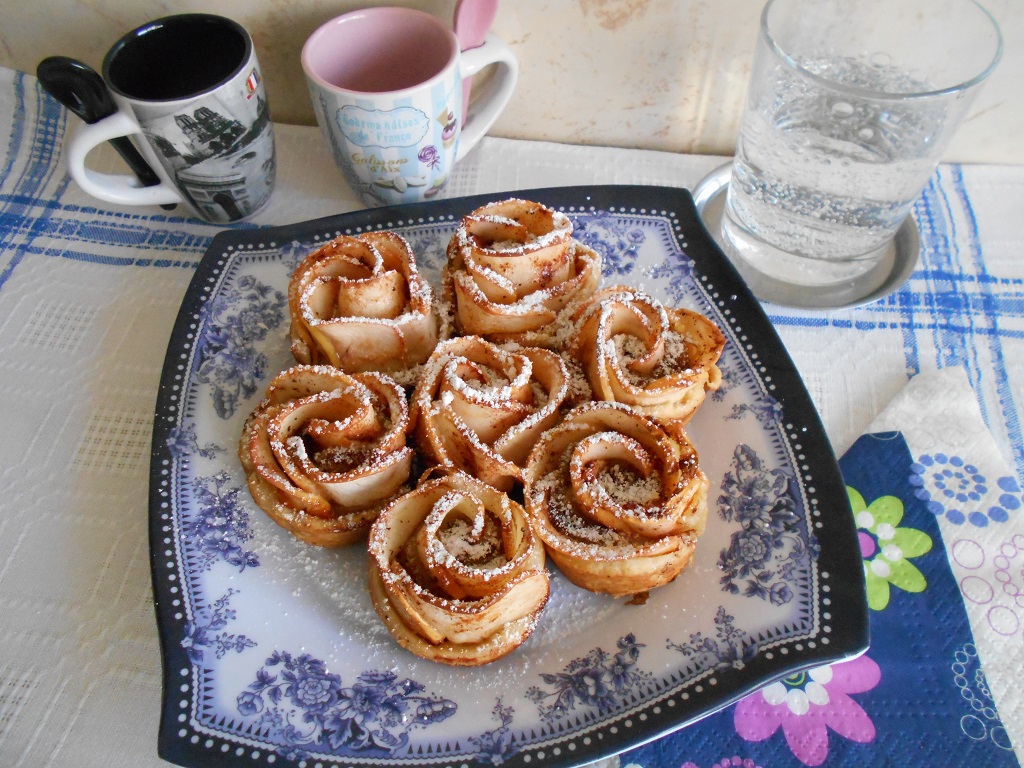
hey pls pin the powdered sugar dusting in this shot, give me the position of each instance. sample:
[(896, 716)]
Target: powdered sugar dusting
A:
[(505, 383)]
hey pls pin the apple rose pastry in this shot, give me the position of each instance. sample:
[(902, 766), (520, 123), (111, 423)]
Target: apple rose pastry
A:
[(513, 266), (359, 304), (456, 573), (324, 451), (480, 408), (617, 501), (639, 352)]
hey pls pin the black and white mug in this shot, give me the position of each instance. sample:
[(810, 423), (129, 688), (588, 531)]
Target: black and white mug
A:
[(189, 90)]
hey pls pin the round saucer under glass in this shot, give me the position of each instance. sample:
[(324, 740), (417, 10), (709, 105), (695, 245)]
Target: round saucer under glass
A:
[(894, 268)]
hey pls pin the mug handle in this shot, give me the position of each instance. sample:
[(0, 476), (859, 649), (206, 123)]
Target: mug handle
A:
[(497, 91), (122, 189)]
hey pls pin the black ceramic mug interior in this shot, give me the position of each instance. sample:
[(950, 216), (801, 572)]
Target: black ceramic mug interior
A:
[(177, 57)]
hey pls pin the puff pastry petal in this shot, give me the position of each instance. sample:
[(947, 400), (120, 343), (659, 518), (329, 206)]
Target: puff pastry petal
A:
[(360, 304), (324, 451), (513, 267), (480, 408), (639, 352), (456, 573), (618, 502)]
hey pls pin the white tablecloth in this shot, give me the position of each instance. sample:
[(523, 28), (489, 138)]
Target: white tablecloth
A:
[(88, 296)]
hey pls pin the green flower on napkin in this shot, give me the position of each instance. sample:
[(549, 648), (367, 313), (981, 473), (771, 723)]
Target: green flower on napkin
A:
[(887, 548)]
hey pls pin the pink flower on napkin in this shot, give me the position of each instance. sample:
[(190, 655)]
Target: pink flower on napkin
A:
[(727, 762), (806, 705)]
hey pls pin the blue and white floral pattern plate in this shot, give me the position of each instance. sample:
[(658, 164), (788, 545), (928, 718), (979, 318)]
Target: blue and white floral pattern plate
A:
[(273, 654)]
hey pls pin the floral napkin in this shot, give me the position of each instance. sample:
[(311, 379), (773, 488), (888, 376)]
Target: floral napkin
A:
[(941, 533)]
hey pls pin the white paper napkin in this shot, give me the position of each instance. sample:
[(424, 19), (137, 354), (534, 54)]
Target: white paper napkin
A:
[(970, 487)]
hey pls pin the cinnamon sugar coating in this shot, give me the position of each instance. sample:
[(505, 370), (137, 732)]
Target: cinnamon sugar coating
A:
[(639, 352), (456, 572), (617, 500), (579, 397), (513, 267), (480, 408), (325, 451), (360, 304)]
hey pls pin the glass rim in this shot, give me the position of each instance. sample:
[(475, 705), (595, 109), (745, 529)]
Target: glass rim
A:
[(965, 85)]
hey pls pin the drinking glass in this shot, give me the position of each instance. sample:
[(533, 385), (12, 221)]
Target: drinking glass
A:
[(850, 106)]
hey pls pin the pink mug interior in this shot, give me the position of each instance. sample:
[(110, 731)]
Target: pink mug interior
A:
[(379, 50)]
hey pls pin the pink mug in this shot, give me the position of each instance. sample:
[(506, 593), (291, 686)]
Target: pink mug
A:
[(386, 85)]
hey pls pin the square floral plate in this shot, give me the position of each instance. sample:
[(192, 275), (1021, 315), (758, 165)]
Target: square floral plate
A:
[(273, 654)]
